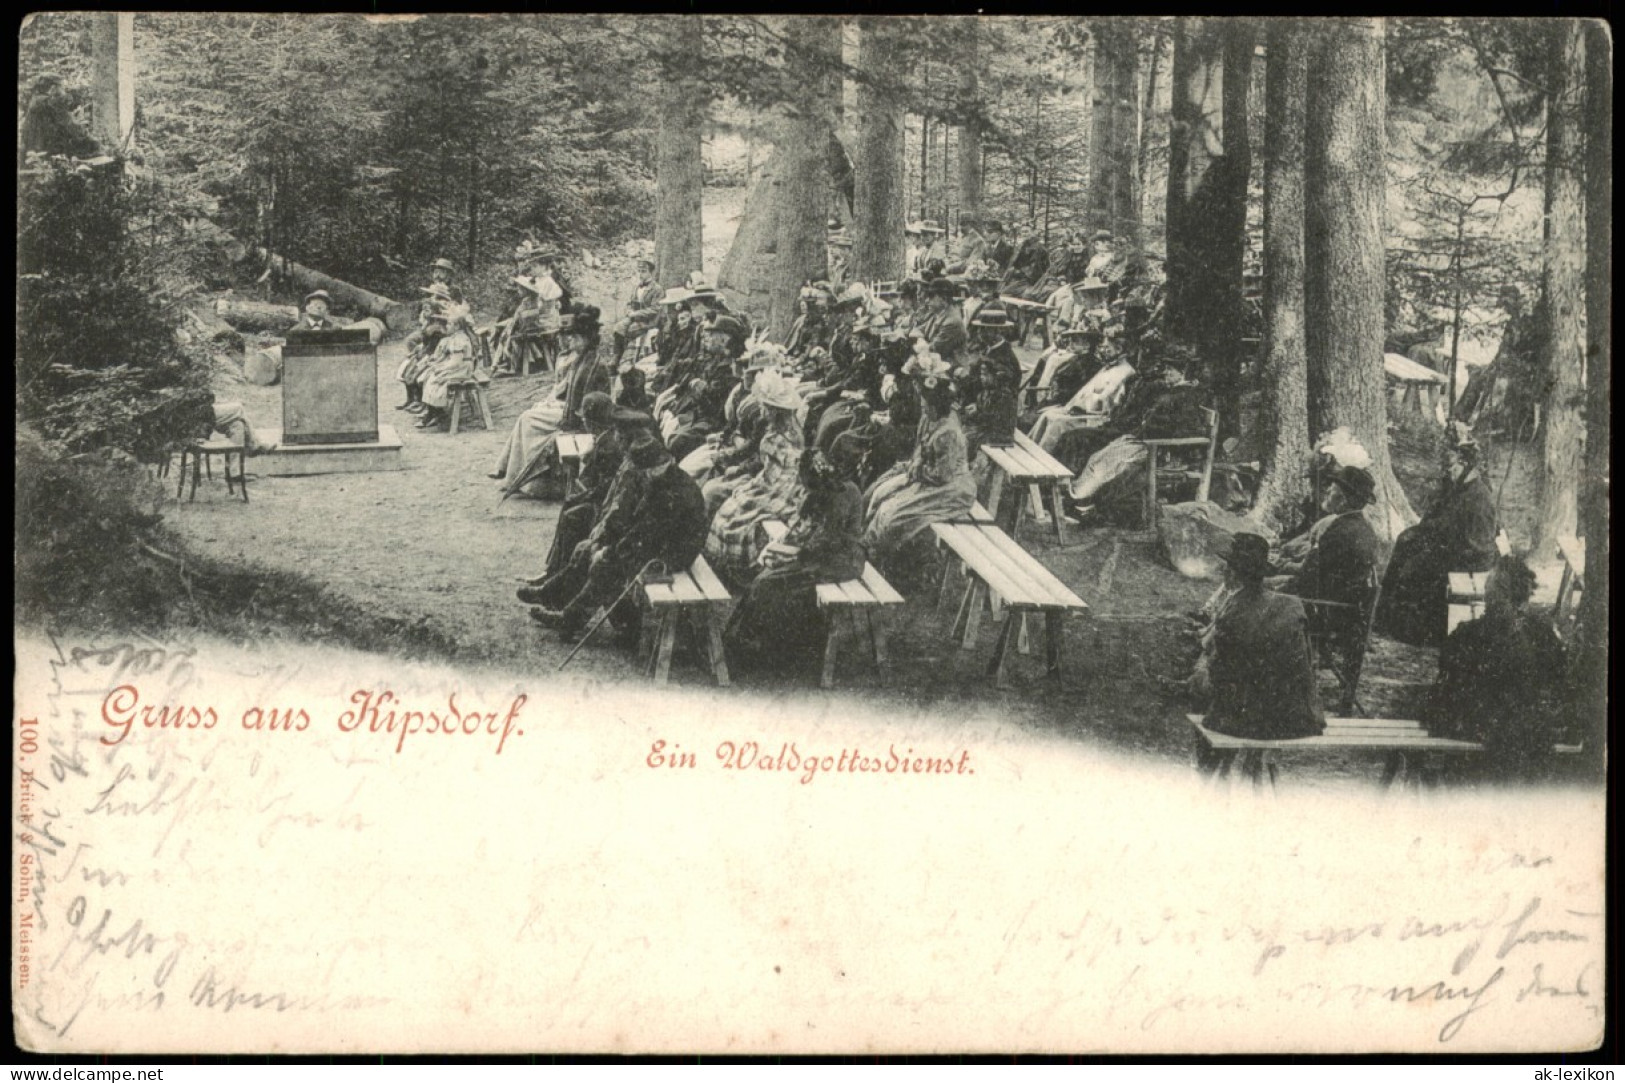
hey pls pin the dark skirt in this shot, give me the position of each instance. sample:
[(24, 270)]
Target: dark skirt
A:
[(777, 623)]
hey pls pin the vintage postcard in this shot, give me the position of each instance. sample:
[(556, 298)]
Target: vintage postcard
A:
[(730, 534)]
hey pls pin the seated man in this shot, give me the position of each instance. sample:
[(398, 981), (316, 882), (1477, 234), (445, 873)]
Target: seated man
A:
[(665, 524), (315, 316), (1340, 558), (1501, 676), (642, 312), (1261, 677)]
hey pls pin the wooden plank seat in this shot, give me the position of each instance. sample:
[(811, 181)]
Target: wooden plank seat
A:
[(699, 596), (573, 447), (1406, 747), (995, 565), (1460, 613), (853, 602), (202, 453), (472, 394), (1025, 463), (1029, 314), (1466, 586)]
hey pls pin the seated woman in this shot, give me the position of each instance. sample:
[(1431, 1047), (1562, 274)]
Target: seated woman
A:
[(527, 461), (773, 493), (453, 362), (532, 337), (1090, 406), (724, 452), (1456, 535), (935, 484), (1501, 677), (778, 622)]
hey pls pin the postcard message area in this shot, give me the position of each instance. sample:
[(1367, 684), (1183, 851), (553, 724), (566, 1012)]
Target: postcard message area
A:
[(280, 849)]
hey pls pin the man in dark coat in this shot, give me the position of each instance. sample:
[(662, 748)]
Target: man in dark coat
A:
[(941, 324), (1262, 677), (1501, 676), (666, 524), (599, 469), (315, 317), (1456, 535), (999, 250), (989, 385), (1341, 557)]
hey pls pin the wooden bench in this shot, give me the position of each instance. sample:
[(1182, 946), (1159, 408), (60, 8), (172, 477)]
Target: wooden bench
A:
[(1203, 477), (1460, 613), (1403, 744), (996, 565), (1573, 552), (1027, 314), (472, 394), (202, 454), (1025, 463), (1406, 747), (574, 447), (698, 595), (1466, 586), (856, 602)]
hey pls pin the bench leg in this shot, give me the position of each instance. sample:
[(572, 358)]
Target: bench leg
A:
[(180, 476), (719, 657), (995, 493), (1055, 512), (456, 411), (945, 592), (831, 647), (971, 612), (1151, 488), (1023, 646), (877, 637), (668, 639), (242, 474), (197, 472), (1391, 769), (1054, 624), (485, 409), (995, 604), (998, 667)]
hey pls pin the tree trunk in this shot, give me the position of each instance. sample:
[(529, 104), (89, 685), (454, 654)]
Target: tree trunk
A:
[(1343, 248), (877, 240), (970, 133), (1591, 654), (1111, 141), (1284, 412), (395, 314), (1562, 290), (1207, 196), (678, 161), (1148, 107), (108, 87), (256, 315), (804, 184)]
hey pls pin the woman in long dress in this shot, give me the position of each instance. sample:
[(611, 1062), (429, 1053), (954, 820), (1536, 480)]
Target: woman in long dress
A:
[(528, 458), (773, 493), (935, 484), (778, 621), (453, 362)]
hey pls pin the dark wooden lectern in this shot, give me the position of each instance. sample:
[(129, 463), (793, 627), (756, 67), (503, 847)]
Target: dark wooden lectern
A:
[(329, 387)]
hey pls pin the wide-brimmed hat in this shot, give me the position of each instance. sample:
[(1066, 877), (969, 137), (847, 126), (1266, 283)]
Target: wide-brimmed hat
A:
[(926, 365), (676, 295), (648, 453), (1101, 235), (443, 265), (727, 325), (438, 290), (773, 388), (1249, 555), (856, 293), (1356, 483), (314, 294), (990, 316), (763, 355), (698, 285)]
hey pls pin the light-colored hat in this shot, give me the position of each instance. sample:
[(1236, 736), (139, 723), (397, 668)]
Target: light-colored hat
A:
[(444, 264), (676, 296), (698, 285), (773, 388), (455, 314), (856, 292), (438, 291), (926, 365), (763, 355), (314, 294)]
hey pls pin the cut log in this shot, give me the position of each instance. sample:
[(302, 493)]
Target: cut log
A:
[(247, 315), (395, 314), (207, 326), (376, 328), (263, 366)]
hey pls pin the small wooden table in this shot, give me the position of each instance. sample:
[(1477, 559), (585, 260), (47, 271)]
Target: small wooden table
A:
[(995, 564), (698, 595), (1025, 463)]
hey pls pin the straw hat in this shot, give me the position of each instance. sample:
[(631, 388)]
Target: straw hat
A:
[(775, 389)]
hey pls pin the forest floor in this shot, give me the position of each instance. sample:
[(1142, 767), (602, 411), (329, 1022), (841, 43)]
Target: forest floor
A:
[(433, 546)]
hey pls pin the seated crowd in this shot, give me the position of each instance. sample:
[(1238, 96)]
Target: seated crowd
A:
[(862, 429)]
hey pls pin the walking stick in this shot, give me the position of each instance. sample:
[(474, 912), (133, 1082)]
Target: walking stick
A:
[(636, 580)]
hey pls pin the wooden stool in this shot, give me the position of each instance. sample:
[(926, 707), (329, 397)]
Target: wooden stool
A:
[(201, 456), (573, 447), (699, 595), (1025, 463), (473, 393)]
